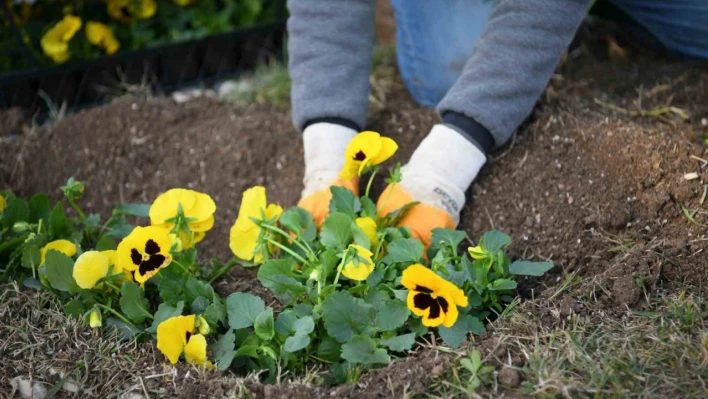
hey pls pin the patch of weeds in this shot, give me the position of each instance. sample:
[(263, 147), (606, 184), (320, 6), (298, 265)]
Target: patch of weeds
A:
[(657, 353), (269, 84)]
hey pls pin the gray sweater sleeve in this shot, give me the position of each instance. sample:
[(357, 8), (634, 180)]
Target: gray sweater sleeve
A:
[(513, 61), (330, 45)]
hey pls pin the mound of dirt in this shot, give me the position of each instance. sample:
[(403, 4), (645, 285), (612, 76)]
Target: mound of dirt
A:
[(607, 180)]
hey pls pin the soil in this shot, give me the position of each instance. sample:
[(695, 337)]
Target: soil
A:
[(601, 191)]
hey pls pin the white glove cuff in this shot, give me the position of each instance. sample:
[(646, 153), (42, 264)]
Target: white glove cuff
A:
[(324, 146), (441, 169)]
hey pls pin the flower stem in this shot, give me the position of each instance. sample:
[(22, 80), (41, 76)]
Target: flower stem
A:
[(285, 234), (222, 271), (78, 210), (345, 258), (371, 180), (184, 268), (116, 314), (288, 250), (385, 200)]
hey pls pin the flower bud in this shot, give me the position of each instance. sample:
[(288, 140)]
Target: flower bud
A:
[(95, 318), (315, 274), (20, 227), (203, 327)]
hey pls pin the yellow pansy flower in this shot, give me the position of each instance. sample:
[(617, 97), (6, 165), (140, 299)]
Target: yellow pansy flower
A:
[(477, 252), (64, 246), (360, 269), (368, 226), (2, 203), (145, 251), (198, 208), (432, 297), (95, 318), (175, 336), (55, 43), (90, 267), (243, 239), (364, 150), (101, 36), (125, 10)]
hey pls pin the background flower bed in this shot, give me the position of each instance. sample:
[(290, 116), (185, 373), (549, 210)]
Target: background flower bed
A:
[(153, 56)]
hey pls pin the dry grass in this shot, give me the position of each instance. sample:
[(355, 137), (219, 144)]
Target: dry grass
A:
[(661, 353), (62, 357)]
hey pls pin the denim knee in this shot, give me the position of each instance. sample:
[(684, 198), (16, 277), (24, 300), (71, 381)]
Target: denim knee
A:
[(434, 41)]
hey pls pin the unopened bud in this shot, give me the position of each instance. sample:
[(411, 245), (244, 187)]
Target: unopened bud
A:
[(203, 327), (20, 227), (95, 318)]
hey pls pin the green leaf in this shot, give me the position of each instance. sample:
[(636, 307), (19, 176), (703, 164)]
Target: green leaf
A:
[(344, 201), (59, 269), (526, 268), (360, 238), (248, 350), (171, 288), (277, 275), (285, 321), (92, 220), (336, 231), (329, 350), (362, 349), (199, 305), (493, 241), (133, 302), (502, 284), (457, 277), (128, 330), (16, 210), (59, 225), (296, 342), (377, 297), (75, 308), (457, 334), (139, 210), (368, 207), (303, 309), (405, 250), (224, 350), (106, 243), (30, 256), (305, 325), (475, 325), (392, 315), (39, 208), (298, 219), (400, 343), (374, 278), (165, 311), (243, 308), (265, 325), (345, 316), (215, 313), (194, 288), (120, 228), (452, 238), (33, 283)]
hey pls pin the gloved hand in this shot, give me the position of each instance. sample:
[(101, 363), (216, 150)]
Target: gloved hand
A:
[(324, 145), (440, 171)]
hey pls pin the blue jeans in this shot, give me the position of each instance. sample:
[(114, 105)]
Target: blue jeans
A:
[(435, 38)]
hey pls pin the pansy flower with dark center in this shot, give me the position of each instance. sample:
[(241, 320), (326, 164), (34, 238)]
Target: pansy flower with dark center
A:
[(432, 297), (177, 336), (364, 150), (145, 251)]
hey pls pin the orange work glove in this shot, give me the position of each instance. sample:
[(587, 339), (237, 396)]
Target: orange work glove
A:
[(421, 219), (317, 203)]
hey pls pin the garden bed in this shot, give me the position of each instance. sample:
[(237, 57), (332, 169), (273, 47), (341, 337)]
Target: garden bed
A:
[(601, 193)]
